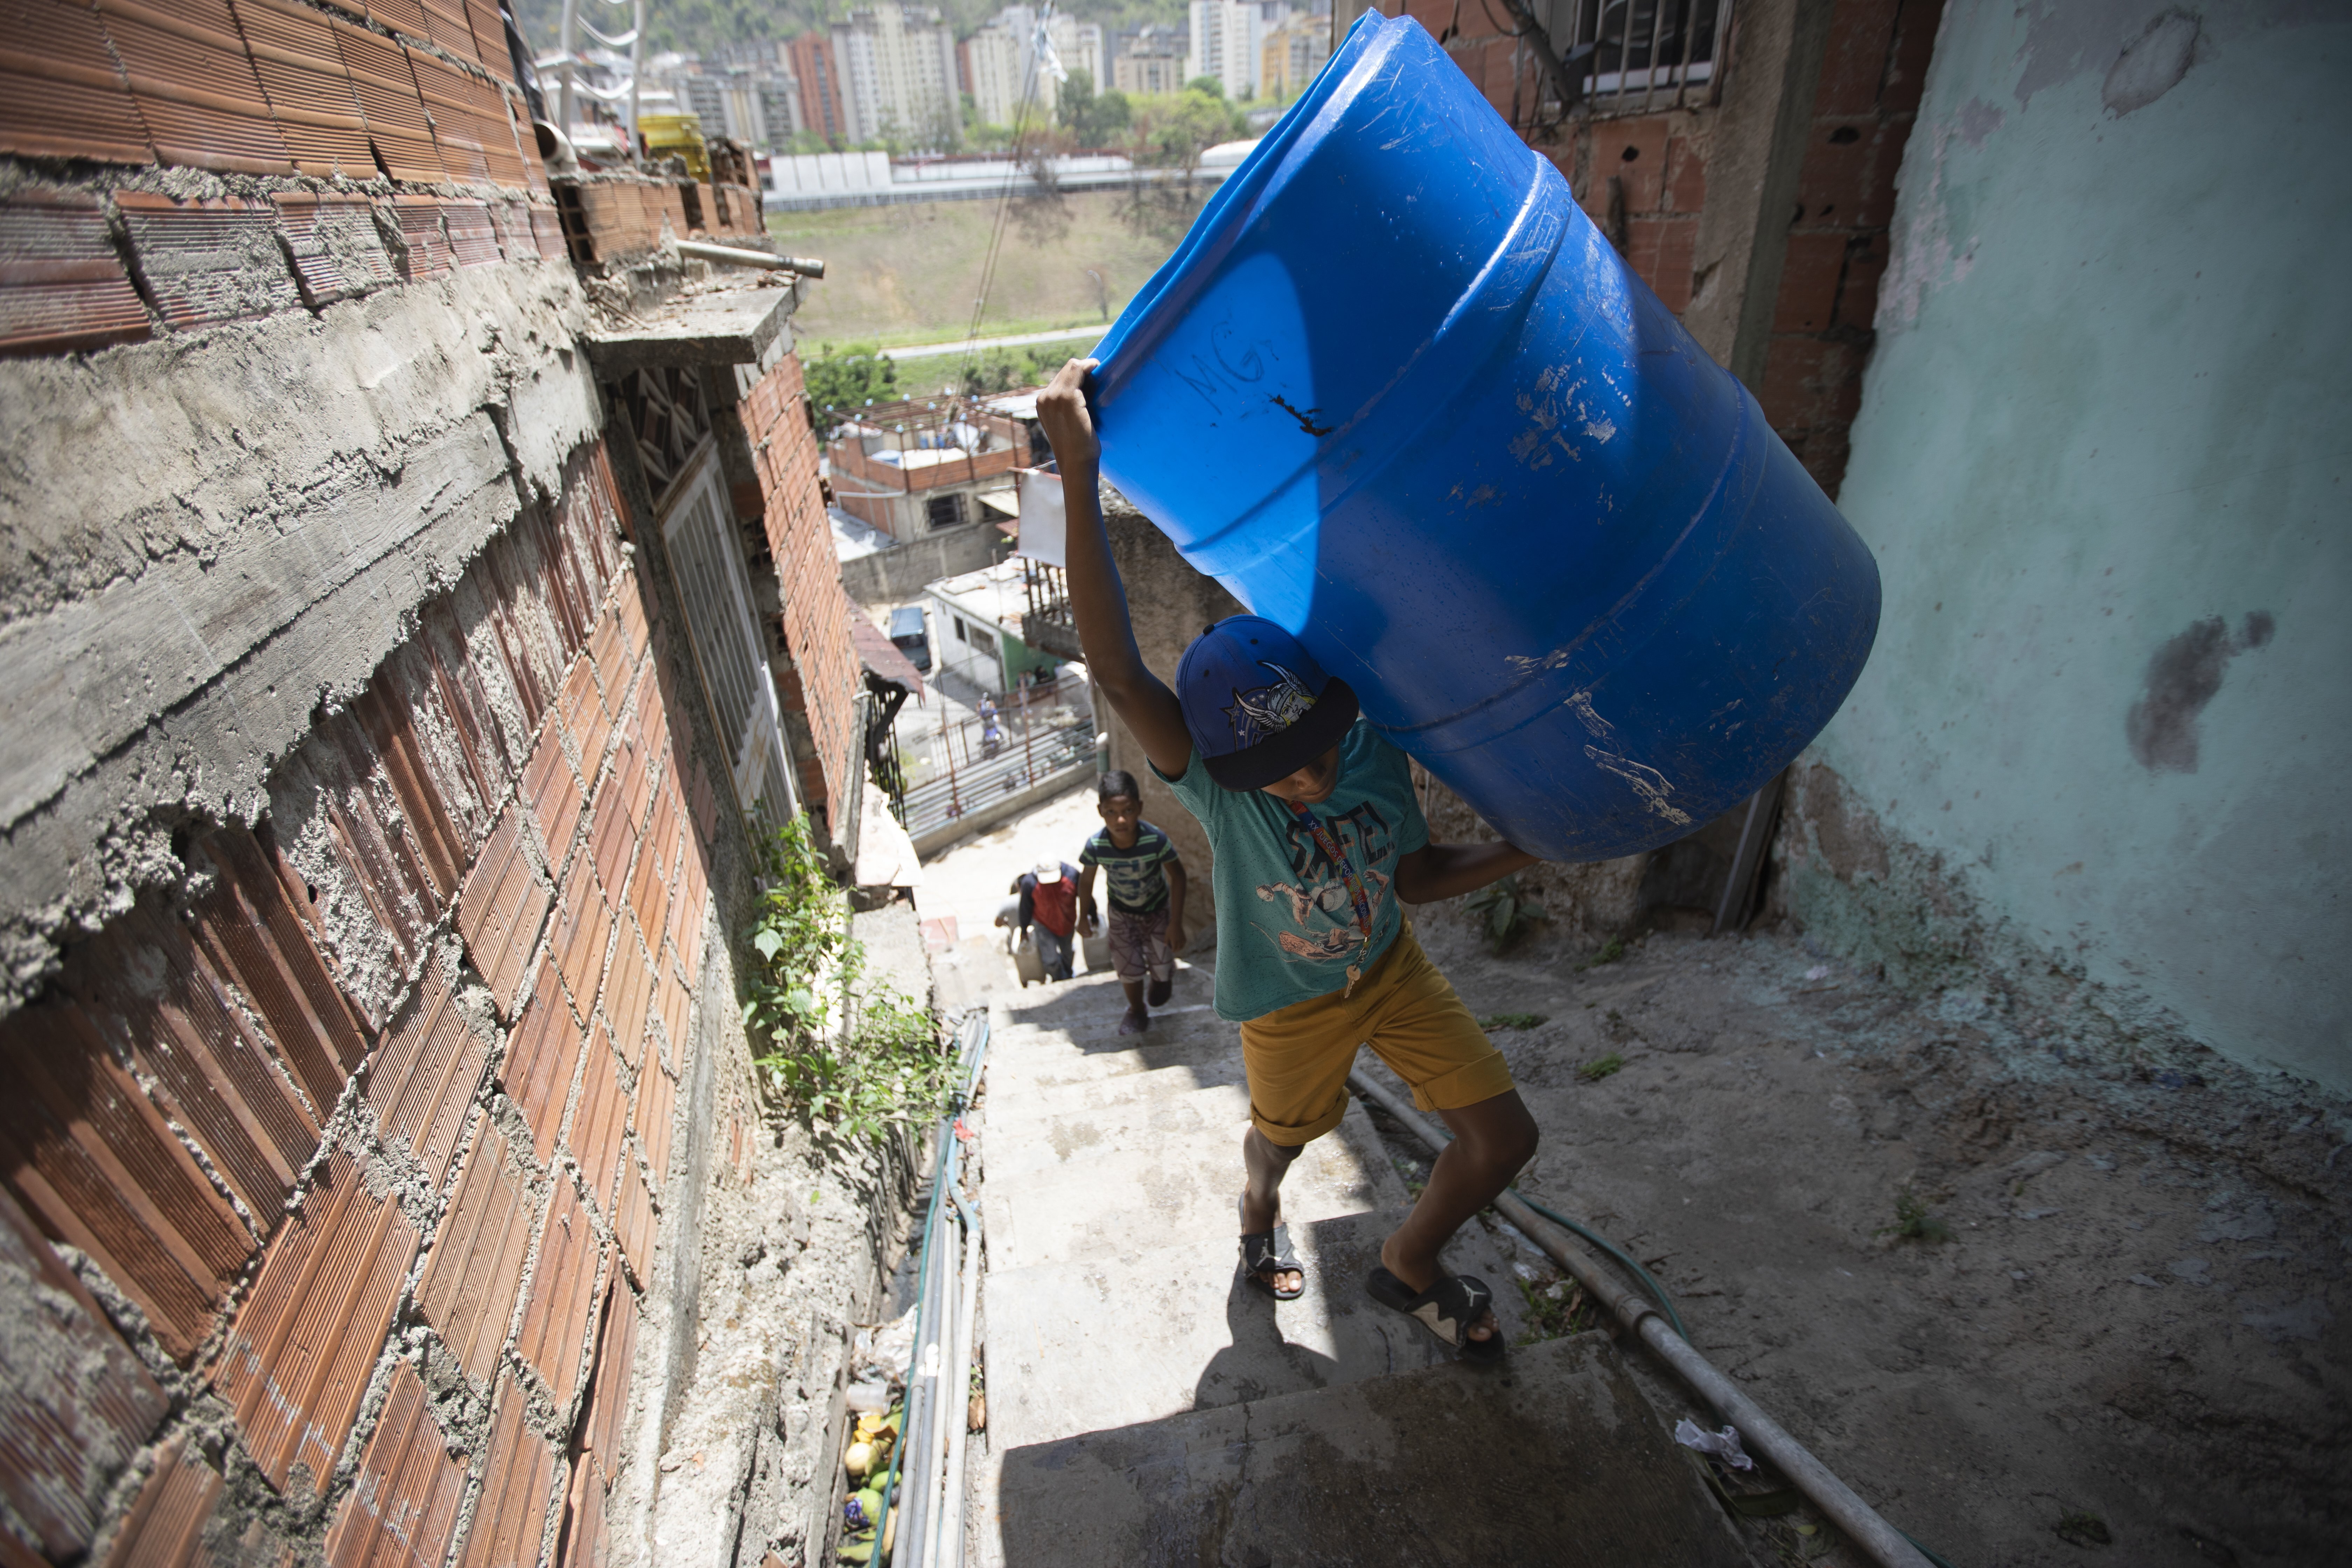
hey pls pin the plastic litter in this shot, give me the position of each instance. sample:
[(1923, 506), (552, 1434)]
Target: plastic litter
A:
[(1723, 1445), (867, 1397), (884, 1354)]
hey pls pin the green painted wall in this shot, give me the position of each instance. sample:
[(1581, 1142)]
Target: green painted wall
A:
[(2104, 458)]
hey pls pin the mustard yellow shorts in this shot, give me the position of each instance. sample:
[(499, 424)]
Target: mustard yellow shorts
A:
[(1297, 1056)]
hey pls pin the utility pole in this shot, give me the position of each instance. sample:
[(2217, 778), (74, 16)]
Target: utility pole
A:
[(569, 42)]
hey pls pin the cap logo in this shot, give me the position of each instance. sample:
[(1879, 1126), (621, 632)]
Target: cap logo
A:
[(1267, 711)]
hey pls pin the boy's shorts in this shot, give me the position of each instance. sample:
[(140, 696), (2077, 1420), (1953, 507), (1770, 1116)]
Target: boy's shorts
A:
[(1297, 1056), (1139, 945)]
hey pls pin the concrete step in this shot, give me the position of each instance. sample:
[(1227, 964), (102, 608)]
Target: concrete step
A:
[(1021, 1078), (1111, 1341), (1554, 1458), (1160, 1192), (1018, 1109), (1021, 1144)]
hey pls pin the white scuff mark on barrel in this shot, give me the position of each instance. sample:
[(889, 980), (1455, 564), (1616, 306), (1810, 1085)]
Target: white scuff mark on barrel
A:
[(1581, 704), (1647, 782), (1600, 429)]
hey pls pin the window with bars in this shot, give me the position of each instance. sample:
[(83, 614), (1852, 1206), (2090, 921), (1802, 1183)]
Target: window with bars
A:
[(668, 420), (698, 536), (1633, 56), (944, 510)]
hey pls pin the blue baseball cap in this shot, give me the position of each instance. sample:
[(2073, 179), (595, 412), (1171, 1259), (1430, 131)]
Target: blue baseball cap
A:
[(1258, 706)]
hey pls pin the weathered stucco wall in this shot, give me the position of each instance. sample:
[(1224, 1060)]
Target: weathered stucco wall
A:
[(2101, 458)]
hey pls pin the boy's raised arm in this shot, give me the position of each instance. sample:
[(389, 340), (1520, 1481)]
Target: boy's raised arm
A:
[(1098, 601)]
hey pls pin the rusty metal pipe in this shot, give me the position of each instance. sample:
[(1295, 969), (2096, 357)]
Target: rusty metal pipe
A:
[(1758, 1433), (727, 256)]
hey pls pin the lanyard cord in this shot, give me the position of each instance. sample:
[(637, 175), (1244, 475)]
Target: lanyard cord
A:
[(1356, 892)]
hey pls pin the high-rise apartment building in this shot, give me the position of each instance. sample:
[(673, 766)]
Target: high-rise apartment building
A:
[(897, 75), (1227, 36), (1292, 54), (811, 57), (1003, 59), (1151, 60)]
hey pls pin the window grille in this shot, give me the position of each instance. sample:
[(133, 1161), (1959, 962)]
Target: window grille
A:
[(945, 511), (1634, 57), (698, 536)]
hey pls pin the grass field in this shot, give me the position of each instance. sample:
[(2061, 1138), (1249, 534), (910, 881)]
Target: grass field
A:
[(908, 274)]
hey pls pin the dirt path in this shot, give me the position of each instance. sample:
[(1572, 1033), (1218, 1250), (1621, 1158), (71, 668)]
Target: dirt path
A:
[(2138, 1315)]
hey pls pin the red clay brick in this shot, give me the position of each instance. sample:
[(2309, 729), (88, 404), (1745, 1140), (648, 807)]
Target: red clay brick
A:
[(165, 1526), (473, 237), (67, 99), (1853, 61), (1685, 175), (251, 931), (71, 1415), (587, 1538), (1857, 303), (585, 716), (582, 935), (1677, 246), (145, 984), (301, 1349), (628, 595), (62, 285), (616, 1363), (93, 1159), (1915, 44), (628, 991), (1644, 173), (649, 891), (1833, 187), (542, 1059), (208, 262), (656, 1118), (500, 909), (423, 1083), (517, 1485), (634, 1223), (309, 89), (1808, 283), (402, 1508), (477, 1257), (705, 801), (595, 1133), (609, 646), (611, 842), (195, 85), (564, 1294), (553, 791)]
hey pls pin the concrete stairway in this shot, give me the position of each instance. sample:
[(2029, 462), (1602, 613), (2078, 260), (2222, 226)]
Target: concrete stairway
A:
[(1148, 1407)]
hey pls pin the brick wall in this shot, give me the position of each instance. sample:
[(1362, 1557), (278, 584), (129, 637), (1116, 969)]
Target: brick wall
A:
[(822, 688), (1873, 72), (1642, 179), (296, 94), (384, 1103)]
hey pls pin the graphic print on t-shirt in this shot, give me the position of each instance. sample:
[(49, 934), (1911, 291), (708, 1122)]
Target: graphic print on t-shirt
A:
[(1318, 902)]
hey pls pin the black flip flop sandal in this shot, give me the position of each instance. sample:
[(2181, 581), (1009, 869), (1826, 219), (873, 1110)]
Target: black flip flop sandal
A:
[(1446, 1309), (1268, 1251)]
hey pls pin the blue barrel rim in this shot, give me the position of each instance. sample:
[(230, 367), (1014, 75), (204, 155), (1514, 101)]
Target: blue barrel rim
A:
[(1246, 183)]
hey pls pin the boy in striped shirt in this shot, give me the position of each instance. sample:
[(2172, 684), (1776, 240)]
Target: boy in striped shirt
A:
[(1147, 898)]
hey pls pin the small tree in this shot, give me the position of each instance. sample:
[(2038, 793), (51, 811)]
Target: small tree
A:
[(842, 381)]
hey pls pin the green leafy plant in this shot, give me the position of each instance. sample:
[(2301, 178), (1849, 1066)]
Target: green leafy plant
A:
[(1507, 914), (853, 1059), (1511, 1021), (1600, 1068), (1554, 1310), (1913, 1220), (1611, 951)]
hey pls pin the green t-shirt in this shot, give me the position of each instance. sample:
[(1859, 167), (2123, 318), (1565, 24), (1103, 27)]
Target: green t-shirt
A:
[(1286, 928)]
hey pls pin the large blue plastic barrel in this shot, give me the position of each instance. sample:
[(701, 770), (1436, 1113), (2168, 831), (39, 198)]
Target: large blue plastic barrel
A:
[(1396, 393)]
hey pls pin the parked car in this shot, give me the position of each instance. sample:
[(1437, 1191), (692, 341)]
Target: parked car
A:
[(907, 634)]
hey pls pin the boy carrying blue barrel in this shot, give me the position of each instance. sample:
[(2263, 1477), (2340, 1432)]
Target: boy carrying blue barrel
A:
[(1317, 838)]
